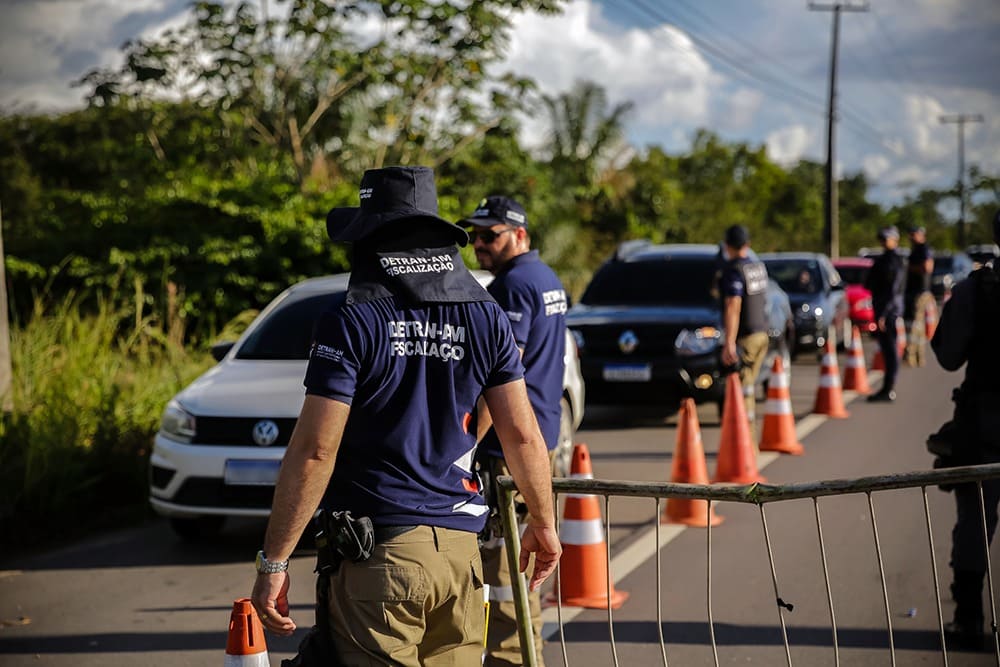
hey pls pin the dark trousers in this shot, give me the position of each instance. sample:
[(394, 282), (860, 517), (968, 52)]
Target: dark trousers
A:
[(887, 343), (968, 553)]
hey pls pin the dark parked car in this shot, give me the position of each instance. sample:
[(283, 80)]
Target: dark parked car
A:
[(649, 326), (949, 269), (817, 295)]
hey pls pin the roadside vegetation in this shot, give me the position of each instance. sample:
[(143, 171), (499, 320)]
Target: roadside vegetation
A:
[(193, 187)]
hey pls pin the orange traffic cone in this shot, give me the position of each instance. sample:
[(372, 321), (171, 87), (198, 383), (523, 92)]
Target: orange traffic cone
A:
[(737, 459), (778, 434), (930, 318), (583, 568), (246, 646), (900, 338), (855, 376), (689, 468), (829, 398), (878, 362)]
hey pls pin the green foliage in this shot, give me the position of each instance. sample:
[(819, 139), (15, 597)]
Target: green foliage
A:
[(88, 391)]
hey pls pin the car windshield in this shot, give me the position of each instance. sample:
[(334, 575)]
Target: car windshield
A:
[(663, 281), (287, 331), (799, 276), (853, 275)]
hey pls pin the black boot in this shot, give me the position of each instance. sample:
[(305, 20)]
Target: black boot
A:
[(966, 631)]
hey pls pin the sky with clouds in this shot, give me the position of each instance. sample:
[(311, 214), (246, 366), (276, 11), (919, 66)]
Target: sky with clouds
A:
[(749, 70)]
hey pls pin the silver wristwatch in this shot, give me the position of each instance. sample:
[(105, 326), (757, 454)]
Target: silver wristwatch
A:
[(265, 566)]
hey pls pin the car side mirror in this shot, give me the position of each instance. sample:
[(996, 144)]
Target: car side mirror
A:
[(220, 350)]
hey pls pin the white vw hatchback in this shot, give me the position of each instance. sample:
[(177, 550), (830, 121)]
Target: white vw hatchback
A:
[(222, 438)]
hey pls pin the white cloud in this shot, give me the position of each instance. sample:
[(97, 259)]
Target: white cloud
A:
[(876, 165), (789, 144)]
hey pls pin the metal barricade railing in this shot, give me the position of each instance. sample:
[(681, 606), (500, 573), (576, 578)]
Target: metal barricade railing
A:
[(759, 494)]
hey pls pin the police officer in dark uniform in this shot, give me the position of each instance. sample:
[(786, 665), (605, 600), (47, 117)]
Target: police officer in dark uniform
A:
[(886, 281), (385, 433), (967, 334), (534, 299), (743, 287)]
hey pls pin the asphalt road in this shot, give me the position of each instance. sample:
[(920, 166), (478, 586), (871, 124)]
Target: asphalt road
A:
[(139, 596)]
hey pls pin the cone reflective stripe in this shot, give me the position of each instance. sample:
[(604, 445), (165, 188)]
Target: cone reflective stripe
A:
[(737, 458), (246, 646), (855, 375), (930, 318), (778, 432), (689, 467), (829, 397), (583, 568)]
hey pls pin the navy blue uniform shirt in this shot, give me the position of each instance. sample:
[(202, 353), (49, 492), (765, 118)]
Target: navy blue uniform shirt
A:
[(535, 302), (917, 281), (886, 281), (412, 377)]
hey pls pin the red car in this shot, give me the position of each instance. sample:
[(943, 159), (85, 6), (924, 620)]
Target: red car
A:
[(854, 270)]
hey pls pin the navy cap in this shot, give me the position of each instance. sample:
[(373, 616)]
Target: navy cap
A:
[(917, 229), (737, 236), (497, 210), (888, 233), (388, 195)]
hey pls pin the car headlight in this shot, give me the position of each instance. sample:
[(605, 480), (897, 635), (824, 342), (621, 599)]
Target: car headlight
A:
[(578, 337), (805, 308), (700, 341), (177, 423), (818, 311)]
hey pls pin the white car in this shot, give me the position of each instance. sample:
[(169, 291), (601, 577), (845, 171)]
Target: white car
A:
[(221, 439)]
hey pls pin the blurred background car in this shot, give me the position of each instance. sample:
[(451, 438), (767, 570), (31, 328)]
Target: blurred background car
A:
[(222, 438), (949, 269), (817, 297), (854, 271), (649, 326), (983, 253)]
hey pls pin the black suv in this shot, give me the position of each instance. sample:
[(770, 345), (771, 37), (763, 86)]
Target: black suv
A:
[(649, 326)]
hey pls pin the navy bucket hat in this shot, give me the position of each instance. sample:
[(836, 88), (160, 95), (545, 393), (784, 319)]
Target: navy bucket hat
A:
[(389, 195)]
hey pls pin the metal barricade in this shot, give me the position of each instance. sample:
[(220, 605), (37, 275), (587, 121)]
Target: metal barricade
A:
[(758, 494)]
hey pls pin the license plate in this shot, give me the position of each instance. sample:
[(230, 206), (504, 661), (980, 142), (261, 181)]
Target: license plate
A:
[(251, 473), (628, 373)]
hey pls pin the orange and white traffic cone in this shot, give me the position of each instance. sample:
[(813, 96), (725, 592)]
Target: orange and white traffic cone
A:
[(778, 434), (930, 318), (878, 361), (855, 376), (689, 468), (583, 568), (245, 646), (829, 397), (900, 338), (737, 458)]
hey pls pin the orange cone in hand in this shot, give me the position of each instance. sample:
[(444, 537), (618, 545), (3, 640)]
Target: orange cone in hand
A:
[(778, 434), (583, 568), (855, 376), (245, 647), (737, 460), (689, 468), (829, 397)]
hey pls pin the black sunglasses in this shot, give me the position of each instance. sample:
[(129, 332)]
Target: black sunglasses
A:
[(487, 236)]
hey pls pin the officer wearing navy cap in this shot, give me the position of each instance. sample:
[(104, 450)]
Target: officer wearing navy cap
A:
[(392, 383), (967, 335), (535, 302), (886, 281)]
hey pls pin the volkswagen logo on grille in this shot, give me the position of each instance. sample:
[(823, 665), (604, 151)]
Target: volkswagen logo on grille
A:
[(265, 432), (628, 341)]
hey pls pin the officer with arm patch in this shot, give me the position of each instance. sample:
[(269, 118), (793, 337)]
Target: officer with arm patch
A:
[(743, 288), (967, 334), (535, 302), (391, 386)]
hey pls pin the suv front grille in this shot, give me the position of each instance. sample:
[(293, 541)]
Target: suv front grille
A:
[(212, 492), (238, 431), (654, 340)]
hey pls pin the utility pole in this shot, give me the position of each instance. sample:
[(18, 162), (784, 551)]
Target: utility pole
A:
[(831, 224), (961, 120)]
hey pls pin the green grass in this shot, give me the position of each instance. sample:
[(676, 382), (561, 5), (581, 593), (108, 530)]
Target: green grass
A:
[(88, 390)]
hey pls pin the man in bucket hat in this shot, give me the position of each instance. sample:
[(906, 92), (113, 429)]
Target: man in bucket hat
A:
[(387, 433), (535, 302)]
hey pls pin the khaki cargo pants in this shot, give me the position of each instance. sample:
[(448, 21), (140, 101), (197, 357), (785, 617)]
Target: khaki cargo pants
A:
[(418, 601), (752, 349), (916, 341), (503, 646)]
